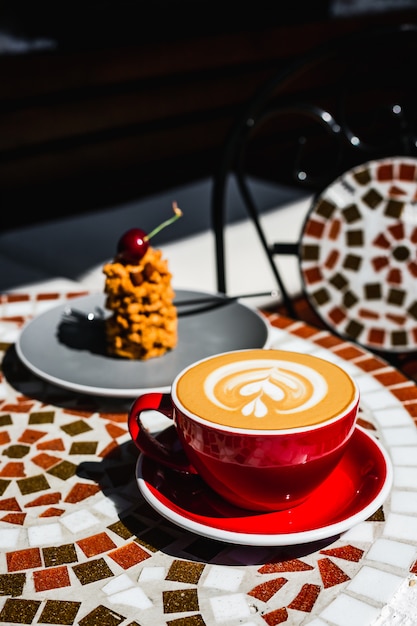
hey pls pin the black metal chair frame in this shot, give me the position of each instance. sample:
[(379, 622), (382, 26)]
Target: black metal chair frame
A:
[(347, 145)]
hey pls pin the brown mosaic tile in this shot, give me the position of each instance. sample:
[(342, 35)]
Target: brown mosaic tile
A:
[(129, 555), (96, 544), (328, 341), (59, 612), (42, 417), (3, 486), (23, 559), (378, 516), (16, 451), (83, 447), (266, 590), (188, 620), (59, 555), (180, 601), (19, 611), (101, 615), (370, 364), (63, 470), (81, 491), (76, 428), (120, 529), (12, 584), (292, 565), (52, 578), (331, 574), (185, 571), (348, 553), (306, 598), (10, 504), (279, 616), (92, 571), (47, 498), (32, 484)]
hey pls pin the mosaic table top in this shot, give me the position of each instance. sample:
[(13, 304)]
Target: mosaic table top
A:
[(79, 544)]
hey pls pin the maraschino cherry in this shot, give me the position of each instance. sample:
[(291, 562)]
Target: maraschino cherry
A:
[(132, 246)]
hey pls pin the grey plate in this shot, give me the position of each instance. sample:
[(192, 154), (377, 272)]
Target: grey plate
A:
[(72, 355)]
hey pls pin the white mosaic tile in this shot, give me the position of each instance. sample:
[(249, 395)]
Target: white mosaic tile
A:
[(230, 607), (380, 399), (347, 611), (375, 584), (403, 501), (401, 436), (152, 573), (360, 532), (9, 537), (119, 583), (404, 455), (402, 609), (366, 383), (223, 578), (44, 534), (394, 416), (80, 520), (405, 477), (393, 553), (133, 597), (401, 527)]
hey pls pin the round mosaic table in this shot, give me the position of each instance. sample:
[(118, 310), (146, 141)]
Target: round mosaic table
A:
[(79, 545)]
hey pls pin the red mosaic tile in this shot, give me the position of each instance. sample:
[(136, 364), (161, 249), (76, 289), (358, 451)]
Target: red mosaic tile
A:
[(413, 569), (115, 431), (331, 259), (328, 341), (47, 498), (336, 314), (305, 331), (379, 262), (13, 469), (405, 393), (31, 436), (18, 408), (348, 553), (14, 518), (53, 578), (306, 598), (114, 417), (406, 171), (266, 590), (279, 321), (394, 276), (52, 444), (312, 275), (334, 230), (411, 408), (47, 296), (314, 228), (78, 412), (10, 504), (279, 616), (331, 574), (129, 555), (14, 297), (292, 565), (393, 377), (81, 491), (46, 460), (371, 364), (96, 544), (4, 438), (52, 512), (385, 172), (23, 559), (376, 336)]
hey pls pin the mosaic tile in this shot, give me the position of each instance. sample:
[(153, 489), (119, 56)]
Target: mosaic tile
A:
[(92, 571), (33, 484), (59, 612), (185, 571), (19, 611), (91, 546), (53, 578), (129, 555), (102, 615), (12, 584), (180, 601), (279, 616), (266, 590), (23, 559)]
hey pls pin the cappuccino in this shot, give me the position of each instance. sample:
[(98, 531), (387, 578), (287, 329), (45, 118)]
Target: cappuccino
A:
[(265, 390)]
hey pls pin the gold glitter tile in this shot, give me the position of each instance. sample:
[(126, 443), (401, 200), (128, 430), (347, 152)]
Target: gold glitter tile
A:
[(92, 571), (41, 417), (63, 470), (180, 601), (120, 529), (190, 620), (59, 612), (185, 571), (83, 447), (17, 451), (6, 420), (76, 428), (12, 584), (19, 611), (3, 485), (32, 484), (100, 616), (59, 555)]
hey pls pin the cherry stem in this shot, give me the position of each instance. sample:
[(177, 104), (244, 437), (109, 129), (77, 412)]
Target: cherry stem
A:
[(177, 215)]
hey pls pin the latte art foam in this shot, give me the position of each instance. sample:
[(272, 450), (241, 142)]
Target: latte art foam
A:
[(265, 389)]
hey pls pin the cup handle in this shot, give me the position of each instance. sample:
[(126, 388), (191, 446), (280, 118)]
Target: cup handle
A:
[(147, 443)]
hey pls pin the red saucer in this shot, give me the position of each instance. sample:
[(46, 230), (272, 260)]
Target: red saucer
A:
[(354, 491)]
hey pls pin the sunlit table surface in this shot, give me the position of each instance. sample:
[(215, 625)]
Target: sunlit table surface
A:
[(79, 544)]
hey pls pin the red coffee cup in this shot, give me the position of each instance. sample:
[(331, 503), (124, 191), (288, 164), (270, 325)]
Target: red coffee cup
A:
[(263, 428)]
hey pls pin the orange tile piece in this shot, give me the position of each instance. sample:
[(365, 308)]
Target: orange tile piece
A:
[(52, 578), (111, 449), (292, 565), (350, 352), (10, 504), (14, 469), (279, 616), (115, 431), (45, 460), (393, 377), (129, 555), (331, 574), (96, 544), (30, 436), (79, 412), (47, 296), (4, 438), (348, 553), (23, 559), (371, 364), (47, 498), (266, 590), (81, 491), (18, 408), (114, 417), (52, 444), (52, 512), (14, 518), (306, 598)]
